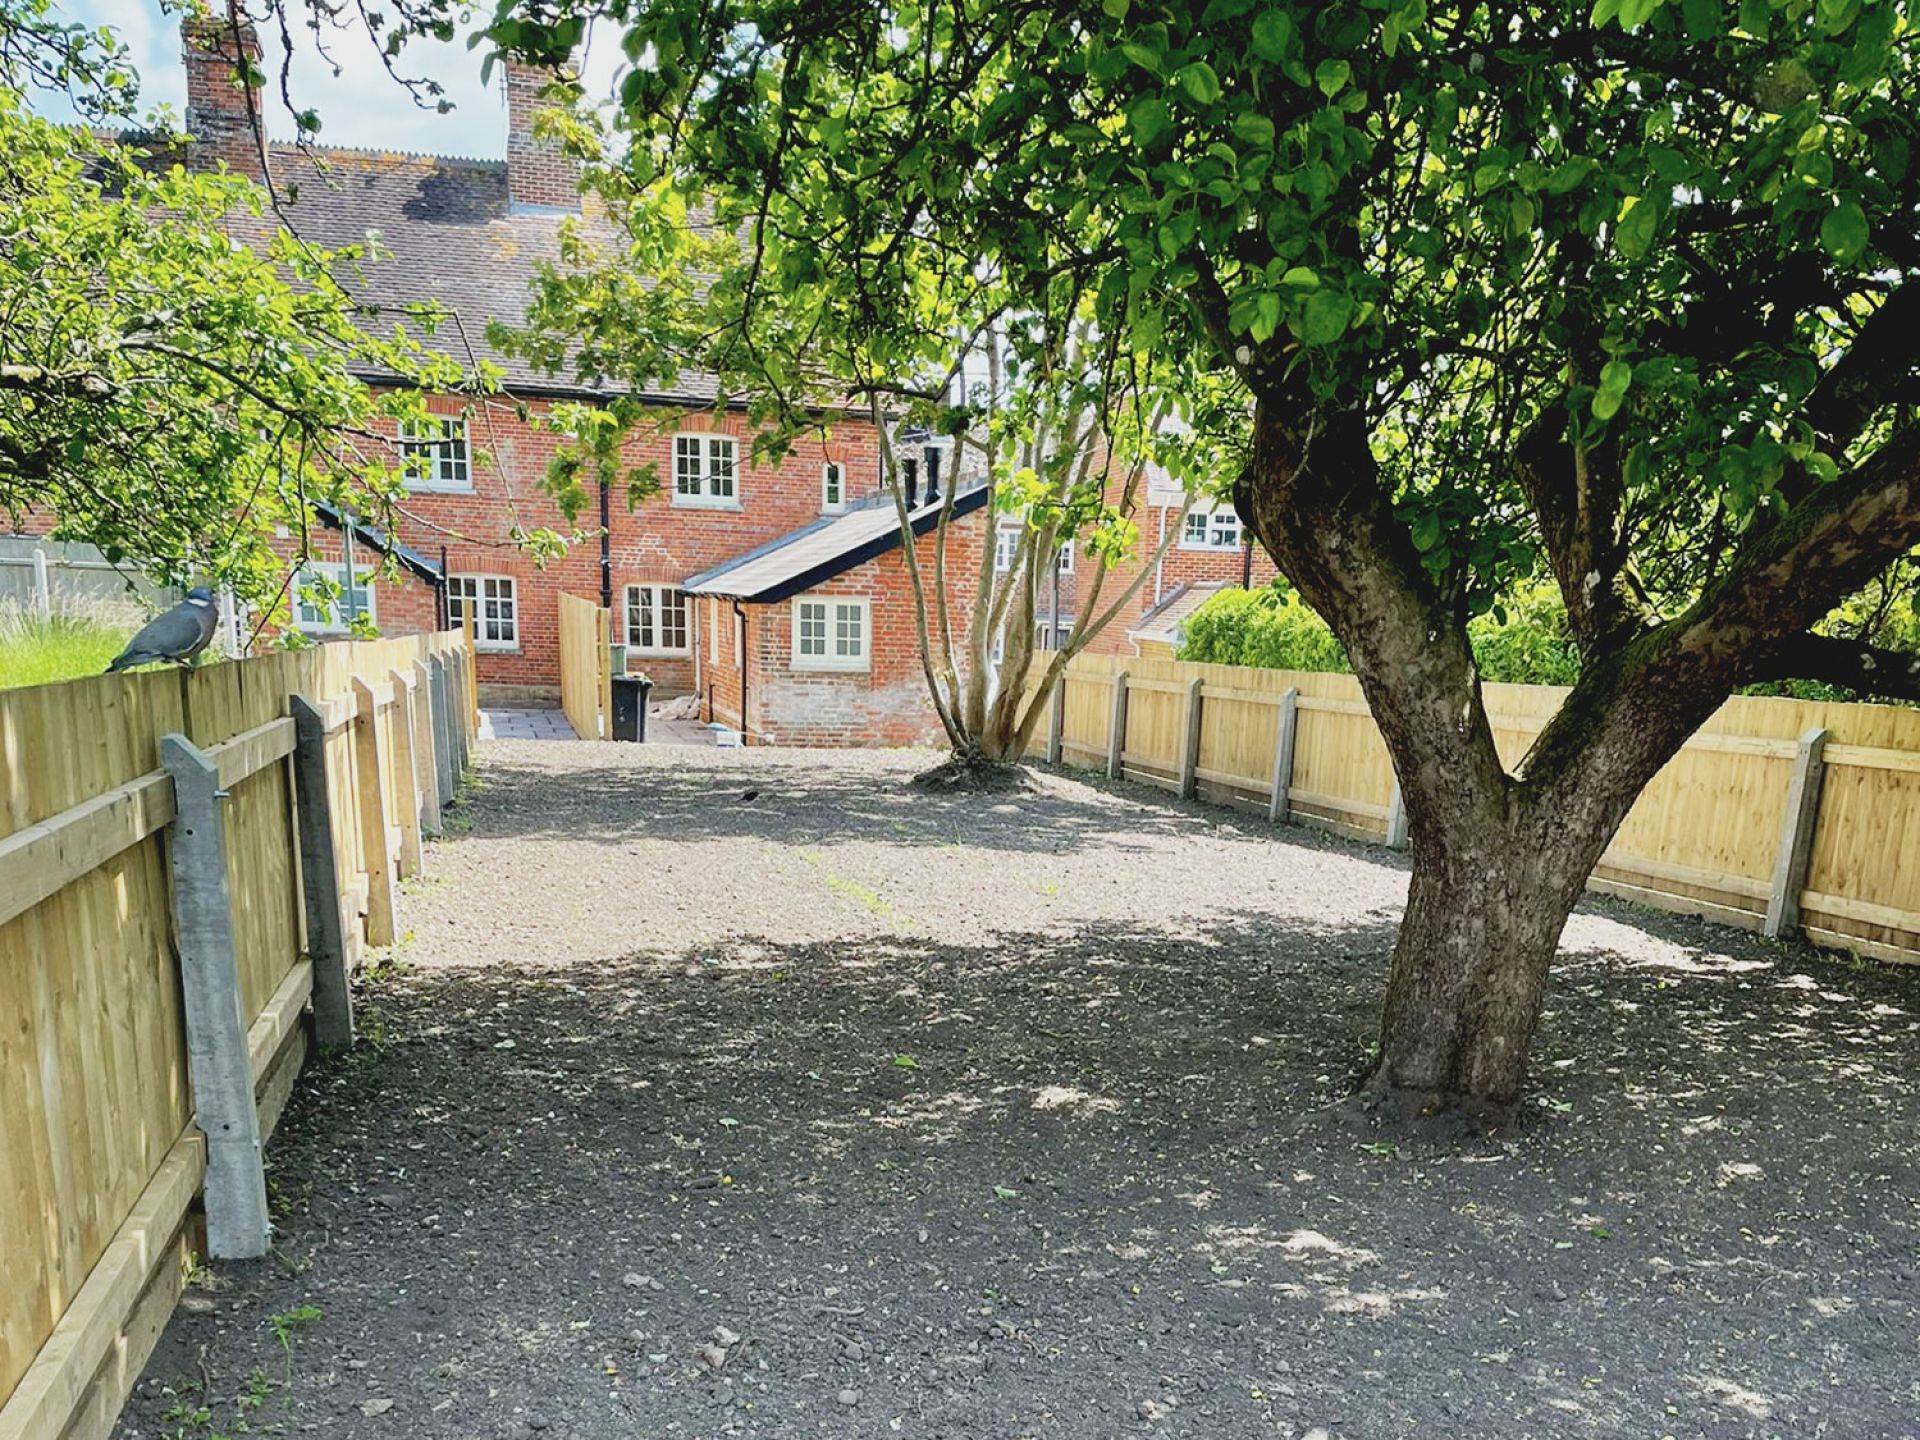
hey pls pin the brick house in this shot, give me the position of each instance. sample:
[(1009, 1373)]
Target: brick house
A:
[(468, 234), (1209, 553)]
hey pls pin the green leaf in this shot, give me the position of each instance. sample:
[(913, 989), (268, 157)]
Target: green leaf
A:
[(1300, 275), (1272, 33), (1256, 130), (1324, 317), (906, 1062), (1426, 530), (1332, 76), (1633, 235), (1148, 119), (1844, 232), (1116, 8), (1568, 175), (1635, 13), (1200, 82)]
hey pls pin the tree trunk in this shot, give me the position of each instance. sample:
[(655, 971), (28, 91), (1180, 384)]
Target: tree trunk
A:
[(1485, 909)]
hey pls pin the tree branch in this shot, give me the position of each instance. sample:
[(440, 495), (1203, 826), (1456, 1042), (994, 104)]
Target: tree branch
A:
[(1854, 664)]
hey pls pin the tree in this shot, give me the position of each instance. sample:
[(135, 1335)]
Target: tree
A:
[(769, 277), (167, 394), (1623, 294)]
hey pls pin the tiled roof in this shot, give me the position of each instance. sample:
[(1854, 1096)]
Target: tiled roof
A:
[(830, 546), (452, 237), (1164, 622)]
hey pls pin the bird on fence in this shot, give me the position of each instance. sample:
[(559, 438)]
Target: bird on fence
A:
[(177, 635)]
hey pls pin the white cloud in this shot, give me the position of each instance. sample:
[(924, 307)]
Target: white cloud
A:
[(361, 106)]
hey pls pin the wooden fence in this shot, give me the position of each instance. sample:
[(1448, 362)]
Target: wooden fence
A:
[(187, 861), (1777, 815), (586, 668)]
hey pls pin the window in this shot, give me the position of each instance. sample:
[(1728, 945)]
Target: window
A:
[(434, 456), (495, 609), (703, 470), (656, 620), (330, 613), (833, 488), (829, 633), (1006, 545), (1211, 530), (1065, 563)]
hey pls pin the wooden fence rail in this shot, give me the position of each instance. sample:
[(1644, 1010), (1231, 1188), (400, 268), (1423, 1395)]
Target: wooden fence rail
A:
[(188, 862), (1777, 815)]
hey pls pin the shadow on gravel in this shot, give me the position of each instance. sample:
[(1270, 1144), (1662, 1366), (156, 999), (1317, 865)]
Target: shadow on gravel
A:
[(1080, 1186), (702, 797)]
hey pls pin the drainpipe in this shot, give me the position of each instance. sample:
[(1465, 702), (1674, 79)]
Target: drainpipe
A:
[(1160, 565), (442, 611), (741, 615), (606, 550)]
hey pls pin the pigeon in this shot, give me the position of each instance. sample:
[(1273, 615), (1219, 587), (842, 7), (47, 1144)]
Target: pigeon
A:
[(177, 635)]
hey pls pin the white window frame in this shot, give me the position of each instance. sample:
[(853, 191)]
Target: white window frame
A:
[(447, 456), (835, 608), (1006, 545), (335, 570), (659, 602), (482, 622), (698, 446), (833, 488), (1064, 561), (1210, 526)]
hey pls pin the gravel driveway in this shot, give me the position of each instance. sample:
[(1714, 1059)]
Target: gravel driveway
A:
[(755, 1093)]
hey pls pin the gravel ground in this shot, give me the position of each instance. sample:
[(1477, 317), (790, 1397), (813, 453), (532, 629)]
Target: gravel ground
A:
[(756, 1093)]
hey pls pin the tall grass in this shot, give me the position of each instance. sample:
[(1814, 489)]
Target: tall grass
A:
[(71, 643)]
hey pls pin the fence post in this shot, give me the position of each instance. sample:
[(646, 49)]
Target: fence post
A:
[(1117, 729), (1397, 819), (218, 1058), (462, 668), (470, 686), (1283, 737), (1057, 721), (441, 700), (406, 769), (1797, 826), (320, 879), (374, 842), (42, 585), (426, 749), (1190, 750)]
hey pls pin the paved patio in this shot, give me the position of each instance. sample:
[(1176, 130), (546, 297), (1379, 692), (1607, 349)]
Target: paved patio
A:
[(552, 725)]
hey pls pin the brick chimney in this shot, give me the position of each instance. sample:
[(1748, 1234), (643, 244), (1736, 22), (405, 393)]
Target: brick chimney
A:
[(540, 174), (218, 115)]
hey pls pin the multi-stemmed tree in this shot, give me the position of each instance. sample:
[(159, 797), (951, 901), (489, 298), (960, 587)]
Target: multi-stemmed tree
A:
[(1621, 292)]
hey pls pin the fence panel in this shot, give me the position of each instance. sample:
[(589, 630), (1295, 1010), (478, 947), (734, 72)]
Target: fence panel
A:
[(98, 1160), (585, 685), (1704, 837)]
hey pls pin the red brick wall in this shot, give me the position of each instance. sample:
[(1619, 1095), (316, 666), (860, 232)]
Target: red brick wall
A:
[(656, 541), (218, 117), (886, 704), (539, 172)]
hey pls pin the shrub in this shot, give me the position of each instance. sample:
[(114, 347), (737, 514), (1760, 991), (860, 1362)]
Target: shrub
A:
[(34, 651), (1269, 627)]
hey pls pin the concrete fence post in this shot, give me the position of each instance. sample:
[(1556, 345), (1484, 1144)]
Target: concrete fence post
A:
[(375, 844), (1190, 743), (42, 585), (426, 748), (218, 1059), (1797, 825), (441, 699), (1057, 720), (1117, 729), (321, 884), (1283, 740), (406, 770), (1396, 819)]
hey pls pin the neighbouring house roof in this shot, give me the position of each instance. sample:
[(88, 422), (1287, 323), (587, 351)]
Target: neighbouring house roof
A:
[(1164, 622), (449, 235), (814, 554), (378, 539)]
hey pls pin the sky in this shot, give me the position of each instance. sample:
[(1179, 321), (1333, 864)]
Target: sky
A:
[(361, 107)]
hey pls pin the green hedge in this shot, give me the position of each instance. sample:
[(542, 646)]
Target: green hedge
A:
[(1274, 628)]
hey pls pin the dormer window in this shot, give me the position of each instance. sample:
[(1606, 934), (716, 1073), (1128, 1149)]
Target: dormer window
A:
[(433, 456)]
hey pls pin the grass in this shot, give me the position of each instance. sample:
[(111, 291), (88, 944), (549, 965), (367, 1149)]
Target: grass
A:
[(34, 651)]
